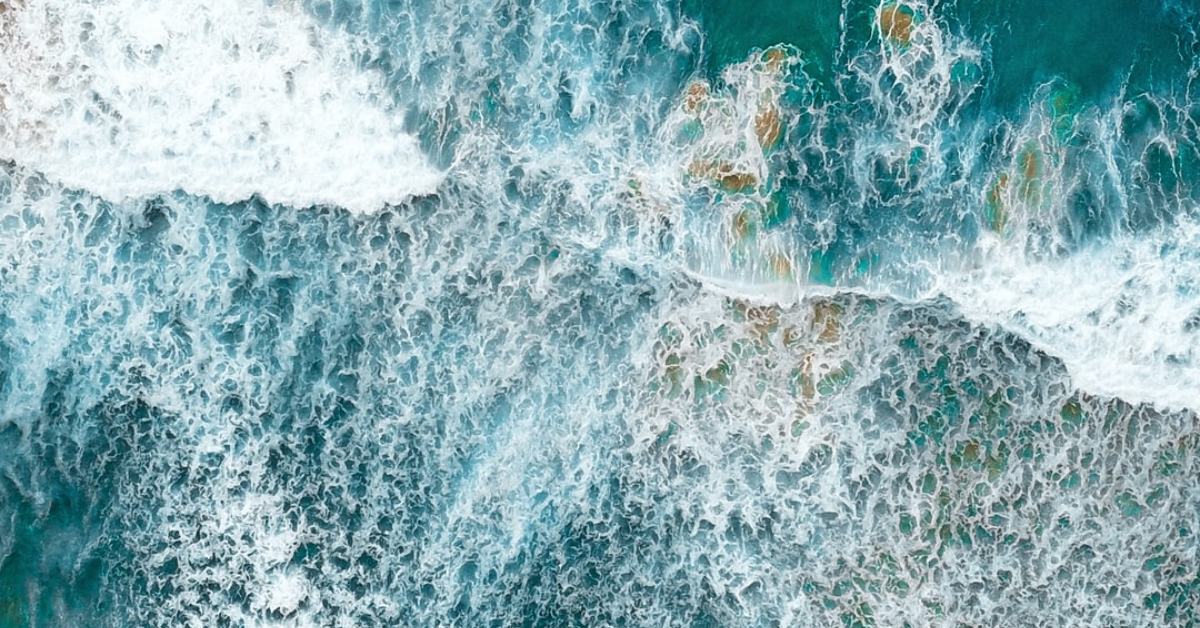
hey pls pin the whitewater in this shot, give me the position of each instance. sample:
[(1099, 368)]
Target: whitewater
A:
[(643, 313)]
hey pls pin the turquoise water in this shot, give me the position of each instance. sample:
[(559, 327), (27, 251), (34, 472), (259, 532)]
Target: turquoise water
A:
[(1096, 46), (649, 313)]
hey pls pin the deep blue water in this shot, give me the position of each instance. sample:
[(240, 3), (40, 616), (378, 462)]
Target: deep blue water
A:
[(638, 313)]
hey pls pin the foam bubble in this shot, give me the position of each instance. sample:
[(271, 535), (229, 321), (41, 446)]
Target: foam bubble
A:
[(128, 98)]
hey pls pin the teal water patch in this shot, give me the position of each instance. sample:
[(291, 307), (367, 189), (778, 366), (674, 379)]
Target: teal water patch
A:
[(1094, 45), (1097, 46), (50, 574), (60, 481), (734, 28)]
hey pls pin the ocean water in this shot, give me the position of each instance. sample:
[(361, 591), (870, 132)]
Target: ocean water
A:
[(642, 313)]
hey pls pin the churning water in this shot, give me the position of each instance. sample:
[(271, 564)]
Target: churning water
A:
[(636, 313)]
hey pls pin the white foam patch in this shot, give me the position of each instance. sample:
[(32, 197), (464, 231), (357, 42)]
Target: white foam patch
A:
[(285, 593), (1120, 316), (128, 98)]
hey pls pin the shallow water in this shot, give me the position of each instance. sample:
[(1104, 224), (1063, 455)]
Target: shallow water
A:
[(639, 314)]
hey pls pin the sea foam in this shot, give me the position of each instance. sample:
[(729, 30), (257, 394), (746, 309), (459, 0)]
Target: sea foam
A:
[(1122, 317), (127, 98)]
